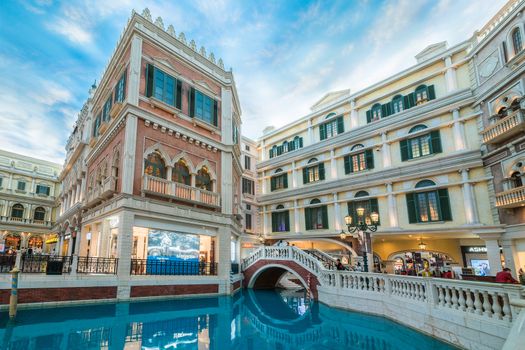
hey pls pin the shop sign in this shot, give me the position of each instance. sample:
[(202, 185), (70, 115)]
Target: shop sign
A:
[(248, 245), (68, 236), (476, 249)]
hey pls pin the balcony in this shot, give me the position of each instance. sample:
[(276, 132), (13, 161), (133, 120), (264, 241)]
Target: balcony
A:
[(103, 191), (512, 198), (23, 221), (504, 128), (174, 190)]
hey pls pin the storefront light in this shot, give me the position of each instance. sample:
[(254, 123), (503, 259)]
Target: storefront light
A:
[(348, 220), (342, 235), (360, 211), (422, 245)]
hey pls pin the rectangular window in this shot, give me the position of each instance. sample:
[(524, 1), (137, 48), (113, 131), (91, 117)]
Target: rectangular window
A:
[(313, 173), (203, 107), (358, 162), (279, 182), (248, 221), (248, 186), (163, 86), (247, 162), (316, 218), (281, 221), (21, 186), (428, 206), (370, 206), (106, 109), (248, 207), (421, 146), (331, 128), (120, 89), (96, 125), (247, 148), (1, 179), (42, 189)]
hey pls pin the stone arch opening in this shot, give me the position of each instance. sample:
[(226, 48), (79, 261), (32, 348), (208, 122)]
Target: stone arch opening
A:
[(269, 275)]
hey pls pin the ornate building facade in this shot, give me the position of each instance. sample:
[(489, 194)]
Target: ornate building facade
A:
[(28, 191)]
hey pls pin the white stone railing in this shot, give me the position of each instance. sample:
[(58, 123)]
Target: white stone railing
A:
[(103, 190), (176, 190), (493, 133), (511, 198), (284, 253)]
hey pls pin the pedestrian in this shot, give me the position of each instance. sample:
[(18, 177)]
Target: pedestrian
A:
[(505, 276), (340, 265), (426, 273)]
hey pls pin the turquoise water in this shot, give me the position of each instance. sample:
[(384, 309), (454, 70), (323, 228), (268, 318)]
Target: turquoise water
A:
[(261, 320)]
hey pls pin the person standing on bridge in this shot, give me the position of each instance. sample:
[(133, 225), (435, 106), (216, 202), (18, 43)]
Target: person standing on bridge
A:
[(340, 265)]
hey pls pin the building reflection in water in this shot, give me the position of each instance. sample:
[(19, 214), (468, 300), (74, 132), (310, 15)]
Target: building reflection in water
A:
[(262, 320)]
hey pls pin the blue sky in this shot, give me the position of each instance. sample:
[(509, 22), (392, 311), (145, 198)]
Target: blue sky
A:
[(285, 54)]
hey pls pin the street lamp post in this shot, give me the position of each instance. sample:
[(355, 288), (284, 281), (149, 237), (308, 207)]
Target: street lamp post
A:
[(361, 229)]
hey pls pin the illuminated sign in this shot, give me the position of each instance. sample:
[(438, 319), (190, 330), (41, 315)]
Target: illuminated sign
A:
[(248, 245), (477, 249)]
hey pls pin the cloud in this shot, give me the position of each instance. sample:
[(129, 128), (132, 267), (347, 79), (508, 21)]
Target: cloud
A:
[(72, 31)]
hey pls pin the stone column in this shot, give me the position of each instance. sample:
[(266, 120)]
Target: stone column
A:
[(128, 154), (10, 186), (265, 222), (387, 159), (354, 116), (297, 223), (33, 187), (223, 256), (263, 179), (169, 172), (124, 249), (458, 131), (294, 175), (510, 256), (333, 165), (135, 61), (450, 75), (310, 132), (392, 206), (471, 213), (493, 252), (263, 151), (337, 213)]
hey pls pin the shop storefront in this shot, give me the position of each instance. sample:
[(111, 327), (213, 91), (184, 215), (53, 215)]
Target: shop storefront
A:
[(414, 262), (476, 259), (51, 244)]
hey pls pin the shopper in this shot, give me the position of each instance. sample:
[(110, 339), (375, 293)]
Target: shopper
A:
[(505, 276), (340, 265), (426, 273)]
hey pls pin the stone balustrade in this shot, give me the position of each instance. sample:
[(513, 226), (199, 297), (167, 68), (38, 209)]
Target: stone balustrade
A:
[(101, 191), (24, 221), (511, 198), (504, 128), (171, 189)]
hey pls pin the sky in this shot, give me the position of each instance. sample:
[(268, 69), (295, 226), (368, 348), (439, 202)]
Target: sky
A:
[(285, 55)]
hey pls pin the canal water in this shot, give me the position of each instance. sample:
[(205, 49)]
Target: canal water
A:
[(262, 320)]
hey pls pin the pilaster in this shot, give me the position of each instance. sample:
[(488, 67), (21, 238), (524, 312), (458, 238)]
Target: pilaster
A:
[(471, 212), (128, 159), (458, 131), (124, 249), (354, 116), (387, 159), (135, 61)]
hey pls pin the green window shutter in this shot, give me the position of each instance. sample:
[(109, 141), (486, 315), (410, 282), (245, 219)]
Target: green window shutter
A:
[(369, 157), (368, 116), (305, 175), (374, 207), (435, 140), (271, 153), (307, 219), (285, 180), (192, 102), (431, 93), (215, 113), (340, 125), (321, 171), (406, 102), (389, 109), (412, 208), (351, 212), (149, 80), (444, 205), (301, 142), (383, 111), (322, 131), (124, 76), (412, 99), (272, 184), (348, 165), (324, 214), (405, 155), (287, 220), (178, 97), (274, 222), (291, 146)]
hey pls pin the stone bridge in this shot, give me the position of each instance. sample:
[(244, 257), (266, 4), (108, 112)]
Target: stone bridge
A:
[(265, 267)]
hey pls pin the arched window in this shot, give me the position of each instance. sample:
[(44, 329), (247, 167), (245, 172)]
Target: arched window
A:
[(516, 180), (285, 146), (280, 219), (421, 94), (203, 179), (516, 41), (397, 103), (376, 112), (181, 173), (278, 170), (421, 145), (425, 183), (35, 242), (297, 141), (361, 194), (313, 173), (154, 165), (430, 205), (17, 211), (116, 163), (357, 147), (329, 115), (316, 218), (40, 214)]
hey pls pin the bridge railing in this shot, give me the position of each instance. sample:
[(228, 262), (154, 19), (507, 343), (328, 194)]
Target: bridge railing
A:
[(284, 253)]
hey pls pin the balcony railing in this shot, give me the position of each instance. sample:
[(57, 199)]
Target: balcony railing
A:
[(172, 268), (23, 221), (52, 265), (504, 128), (7, 262), (95, 265), (171, 189), (102, 191), (511, 198)]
